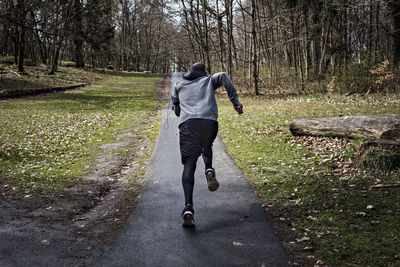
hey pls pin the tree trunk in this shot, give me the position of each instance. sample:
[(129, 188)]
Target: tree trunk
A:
[(246, 42), (55, 59), (220, 36), (347, 38), (56, 48), (207, 45), (21, 36), (395, 19), (21, 50), (301, 57), (370, 33), (376, 33), (325, 39), (316, 36), (307, 59), (294, 37), (78, 35), (254, 42), (229, 25), (4, 47), (377, 127), (33, 55)]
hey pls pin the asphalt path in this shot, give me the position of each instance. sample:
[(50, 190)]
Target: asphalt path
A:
[(27, 241), (232, 229)]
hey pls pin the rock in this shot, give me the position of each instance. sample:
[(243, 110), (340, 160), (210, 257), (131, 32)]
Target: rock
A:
[(370, 127)]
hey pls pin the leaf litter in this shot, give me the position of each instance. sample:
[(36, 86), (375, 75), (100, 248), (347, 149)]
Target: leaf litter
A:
[(313, 182)]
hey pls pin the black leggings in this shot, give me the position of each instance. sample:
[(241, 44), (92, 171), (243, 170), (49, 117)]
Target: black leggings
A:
[(196, 137)]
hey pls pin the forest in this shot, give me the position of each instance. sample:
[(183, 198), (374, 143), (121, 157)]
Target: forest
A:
[(267, 46), (89, 145)]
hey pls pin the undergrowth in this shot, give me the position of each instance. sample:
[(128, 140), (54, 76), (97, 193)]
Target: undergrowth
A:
[(380, 160)]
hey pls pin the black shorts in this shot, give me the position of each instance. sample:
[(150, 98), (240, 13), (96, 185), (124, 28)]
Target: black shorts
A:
[(196, 136)]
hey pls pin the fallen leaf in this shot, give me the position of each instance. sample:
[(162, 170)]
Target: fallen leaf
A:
[(304, 238), (238, 244), (385, 185), (79, 219), (345, 256), (312, 218)]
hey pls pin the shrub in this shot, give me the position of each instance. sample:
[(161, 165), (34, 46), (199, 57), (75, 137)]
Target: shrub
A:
[(378, 159), (7, 60), (68, 64), (357, 80)]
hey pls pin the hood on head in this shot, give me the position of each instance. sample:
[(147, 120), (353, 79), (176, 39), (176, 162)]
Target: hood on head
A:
[(193, 75)]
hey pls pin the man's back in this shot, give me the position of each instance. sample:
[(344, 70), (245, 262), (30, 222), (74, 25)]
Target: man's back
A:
[(196, 97), (195, 94)]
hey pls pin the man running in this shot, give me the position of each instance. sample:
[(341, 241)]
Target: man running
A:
[(194, 103)]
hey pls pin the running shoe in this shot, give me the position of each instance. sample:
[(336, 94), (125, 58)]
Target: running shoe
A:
[(188, 216), (211, 180)]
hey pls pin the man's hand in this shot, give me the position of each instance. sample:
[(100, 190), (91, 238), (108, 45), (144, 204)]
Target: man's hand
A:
[(238, 108), (177, 109)]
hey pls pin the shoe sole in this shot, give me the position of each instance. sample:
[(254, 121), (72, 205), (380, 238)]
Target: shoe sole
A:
[(212, 181), (188, 220)]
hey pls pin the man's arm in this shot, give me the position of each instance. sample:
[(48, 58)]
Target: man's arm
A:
[(175, 101), (222, 79)]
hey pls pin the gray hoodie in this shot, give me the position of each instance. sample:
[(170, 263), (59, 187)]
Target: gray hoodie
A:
[(194, 95)]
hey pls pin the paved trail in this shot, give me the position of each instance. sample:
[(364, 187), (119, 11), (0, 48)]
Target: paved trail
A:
[(232, 228)]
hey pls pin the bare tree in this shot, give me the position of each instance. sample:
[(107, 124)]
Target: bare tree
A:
[(78, 34), (21, 15), (262, 43), (395, 21)]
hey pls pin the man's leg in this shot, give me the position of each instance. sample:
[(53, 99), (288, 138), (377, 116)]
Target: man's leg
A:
[(190, 152), (210, 130), (207, 158), (208, 133), (188, 179), (188, 183)]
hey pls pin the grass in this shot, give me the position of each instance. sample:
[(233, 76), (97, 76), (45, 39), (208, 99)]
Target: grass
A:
[(37, 76), (323, 205), (47, 142)]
